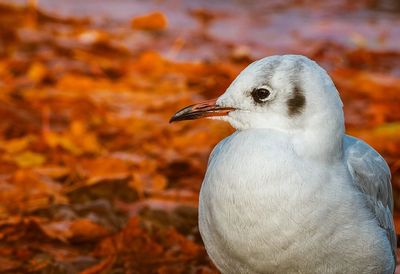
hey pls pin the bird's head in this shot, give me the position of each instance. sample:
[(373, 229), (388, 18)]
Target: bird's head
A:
[(282, 92)]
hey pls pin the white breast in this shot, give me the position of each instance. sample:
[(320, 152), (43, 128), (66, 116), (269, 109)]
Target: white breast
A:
[(265, 210)]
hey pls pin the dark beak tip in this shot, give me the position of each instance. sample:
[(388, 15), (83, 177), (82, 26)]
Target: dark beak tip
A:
[(181, 115), (173, 119), (178, 116)]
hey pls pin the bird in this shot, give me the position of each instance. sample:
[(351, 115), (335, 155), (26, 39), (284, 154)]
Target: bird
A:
[(289, 191)]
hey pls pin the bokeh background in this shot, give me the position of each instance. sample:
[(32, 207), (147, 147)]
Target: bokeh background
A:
[(93, 178)]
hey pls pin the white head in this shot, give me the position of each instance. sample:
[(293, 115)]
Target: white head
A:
[(289, 93), (283, 92)]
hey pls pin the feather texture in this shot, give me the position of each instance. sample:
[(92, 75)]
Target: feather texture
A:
[(371, 174)]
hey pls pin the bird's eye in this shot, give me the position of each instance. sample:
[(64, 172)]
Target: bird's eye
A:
[(260, 95)]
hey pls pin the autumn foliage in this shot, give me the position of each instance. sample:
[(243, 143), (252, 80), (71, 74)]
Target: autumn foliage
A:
[(93, 178)]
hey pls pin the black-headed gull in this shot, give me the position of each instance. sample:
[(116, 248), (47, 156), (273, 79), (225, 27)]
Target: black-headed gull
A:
[(289, 192)]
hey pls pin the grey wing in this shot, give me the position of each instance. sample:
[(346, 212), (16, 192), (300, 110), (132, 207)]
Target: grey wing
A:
[(372, 175)]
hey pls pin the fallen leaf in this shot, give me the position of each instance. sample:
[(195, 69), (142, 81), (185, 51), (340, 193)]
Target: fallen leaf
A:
[(29, 159), (155, 21)]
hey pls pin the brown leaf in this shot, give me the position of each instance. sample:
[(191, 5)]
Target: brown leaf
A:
[(102, 267)]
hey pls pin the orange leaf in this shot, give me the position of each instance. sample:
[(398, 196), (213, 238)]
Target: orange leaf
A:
[(84, 230), (37, 72), (29, 159), (155, 21)]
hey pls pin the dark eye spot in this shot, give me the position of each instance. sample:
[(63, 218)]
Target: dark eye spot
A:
[(260, 95)]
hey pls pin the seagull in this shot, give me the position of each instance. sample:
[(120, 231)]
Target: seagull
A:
[(289, 191)]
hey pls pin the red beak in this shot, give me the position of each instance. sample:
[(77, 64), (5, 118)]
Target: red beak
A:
[(204, 109)]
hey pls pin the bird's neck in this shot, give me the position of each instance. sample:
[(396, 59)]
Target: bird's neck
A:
[(322, 138)]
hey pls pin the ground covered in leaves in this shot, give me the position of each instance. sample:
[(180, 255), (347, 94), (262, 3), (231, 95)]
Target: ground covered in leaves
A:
[(93, 179)]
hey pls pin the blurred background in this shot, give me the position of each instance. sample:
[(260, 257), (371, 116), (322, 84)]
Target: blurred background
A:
[(93, 179)]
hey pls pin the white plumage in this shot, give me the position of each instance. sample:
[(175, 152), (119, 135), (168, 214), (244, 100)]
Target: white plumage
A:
[(289, 192)]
